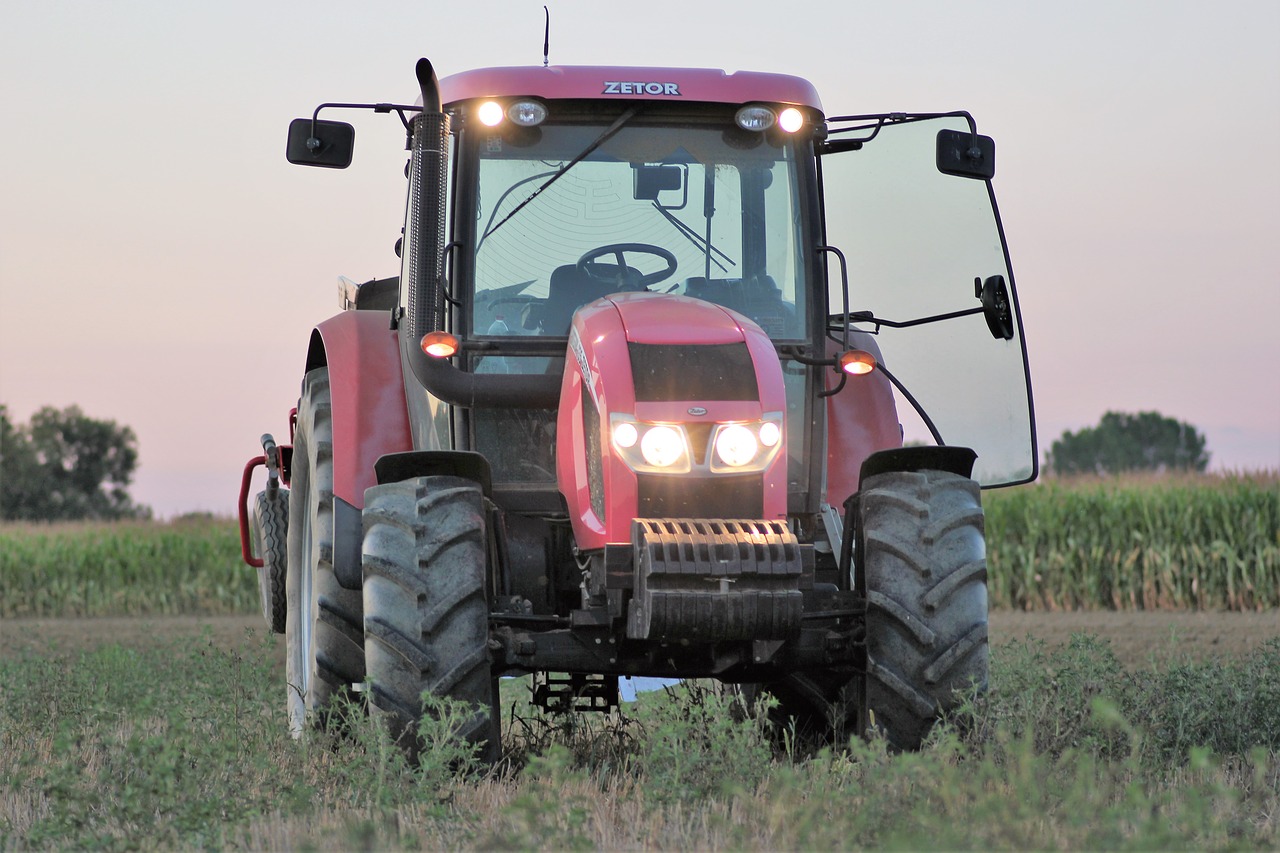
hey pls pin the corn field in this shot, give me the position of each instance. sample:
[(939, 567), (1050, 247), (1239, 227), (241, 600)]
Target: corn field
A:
[(190, 566), (1136, 543), (1206, 542)]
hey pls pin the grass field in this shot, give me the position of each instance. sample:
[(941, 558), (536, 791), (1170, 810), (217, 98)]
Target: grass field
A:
[(185, 746), (1208, 542), (180, 744)]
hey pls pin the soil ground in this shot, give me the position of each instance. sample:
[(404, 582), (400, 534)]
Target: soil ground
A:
[(1138, 638)]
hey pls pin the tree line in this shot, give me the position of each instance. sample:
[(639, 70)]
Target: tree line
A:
[(64, 465)]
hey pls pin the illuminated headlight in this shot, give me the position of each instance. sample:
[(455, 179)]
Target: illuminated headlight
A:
[(744, 447), (736, 445), (527, 113), (662, 446), (625, 435), (770, 433), (650, 448)]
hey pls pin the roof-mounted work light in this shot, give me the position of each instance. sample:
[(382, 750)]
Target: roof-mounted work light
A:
[(527, 113)]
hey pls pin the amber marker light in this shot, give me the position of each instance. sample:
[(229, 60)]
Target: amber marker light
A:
[(856, 362), (439, 344)]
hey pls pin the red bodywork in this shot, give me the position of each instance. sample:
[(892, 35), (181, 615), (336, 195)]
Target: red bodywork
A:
[(598, 356), (366, 384), (604, 82)]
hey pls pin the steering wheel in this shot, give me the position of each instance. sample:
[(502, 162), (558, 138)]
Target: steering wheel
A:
[(625, 277)]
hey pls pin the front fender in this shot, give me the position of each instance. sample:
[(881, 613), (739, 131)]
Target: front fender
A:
[(366, 382)]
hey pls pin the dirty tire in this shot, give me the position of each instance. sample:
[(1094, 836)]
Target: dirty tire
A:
[(324, 623), (924, 563), (271, 530), (812, 710), (426, 618)]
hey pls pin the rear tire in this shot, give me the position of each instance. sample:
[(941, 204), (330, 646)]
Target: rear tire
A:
[(426, 618), (323, 624), (924, 564), (271, 530)]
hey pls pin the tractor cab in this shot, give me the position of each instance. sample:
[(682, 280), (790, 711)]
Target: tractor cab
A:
[(569, 185)]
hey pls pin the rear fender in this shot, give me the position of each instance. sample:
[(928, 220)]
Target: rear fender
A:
[(370, 419)]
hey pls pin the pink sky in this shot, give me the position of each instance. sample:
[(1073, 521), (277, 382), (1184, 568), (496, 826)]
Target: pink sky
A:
[(162, 266)]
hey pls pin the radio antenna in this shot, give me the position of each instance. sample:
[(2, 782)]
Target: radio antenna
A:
[(546, 39)]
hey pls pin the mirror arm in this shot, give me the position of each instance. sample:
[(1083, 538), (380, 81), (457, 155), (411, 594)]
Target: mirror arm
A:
[(796, 353), (398, 109), (868, 317)]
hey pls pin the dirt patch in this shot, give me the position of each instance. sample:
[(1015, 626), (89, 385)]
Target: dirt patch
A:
[(1138, 638)]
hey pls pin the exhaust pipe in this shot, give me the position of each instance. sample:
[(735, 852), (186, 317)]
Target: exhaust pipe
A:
[(425, 239), (427, 198)]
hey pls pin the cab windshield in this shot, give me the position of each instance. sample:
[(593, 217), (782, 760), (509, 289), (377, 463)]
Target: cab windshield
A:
[(706, 211)]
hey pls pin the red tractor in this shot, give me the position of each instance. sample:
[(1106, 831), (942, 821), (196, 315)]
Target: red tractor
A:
[(627, 409)]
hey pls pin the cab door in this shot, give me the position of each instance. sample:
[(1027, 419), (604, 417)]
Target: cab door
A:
[(908, 204)]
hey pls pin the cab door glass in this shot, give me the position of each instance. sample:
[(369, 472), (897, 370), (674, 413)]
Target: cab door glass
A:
[(915, 239)]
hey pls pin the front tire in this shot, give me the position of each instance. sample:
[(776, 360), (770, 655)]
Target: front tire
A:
[(426, 617), (925, 570), (323, 624)]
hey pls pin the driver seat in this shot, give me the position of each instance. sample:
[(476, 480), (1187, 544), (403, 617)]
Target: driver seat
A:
[(568, 290)]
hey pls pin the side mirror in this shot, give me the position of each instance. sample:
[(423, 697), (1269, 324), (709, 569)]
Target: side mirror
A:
[(320, 143), (995, 306), (966, 155)]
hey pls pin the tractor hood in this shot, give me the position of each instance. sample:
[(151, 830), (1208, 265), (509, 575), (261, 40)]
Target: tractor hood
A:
[(677, 350), (645, 361)]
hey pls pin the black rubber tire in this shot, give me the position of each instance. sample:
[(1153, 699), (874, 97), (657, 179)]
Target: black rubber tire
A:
[(426, 617), (812, 709), (271, 530), (925, 570), (324, 623)]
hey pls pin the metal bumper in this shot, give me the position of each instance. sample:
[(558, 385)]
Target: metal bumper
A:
[(714, 580)]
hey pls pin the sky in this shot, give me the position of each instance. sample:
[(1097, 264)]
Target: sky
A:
[(162, 266)]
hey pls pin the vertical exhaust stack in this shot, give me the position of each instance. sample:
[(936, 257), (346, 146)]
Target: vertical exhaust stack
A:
[(427, 199), (424, 245)]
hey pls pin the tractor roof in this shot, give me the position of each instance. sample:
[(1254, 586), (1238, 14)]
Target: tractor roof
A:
[(604, 82)]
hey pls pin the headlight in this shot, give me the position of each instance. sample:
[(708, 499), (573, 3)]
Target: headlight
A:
[(650, 448), (736, 445), (743, 447), (662, 446)]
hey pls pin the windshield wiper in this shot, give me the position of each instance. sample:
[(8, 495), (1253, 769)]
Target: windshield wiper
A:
[(584, 154), (695, 238)]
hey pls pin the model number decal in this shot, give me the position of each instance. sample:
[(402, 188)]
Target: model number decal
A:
[(619, 87), (579, 353)]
